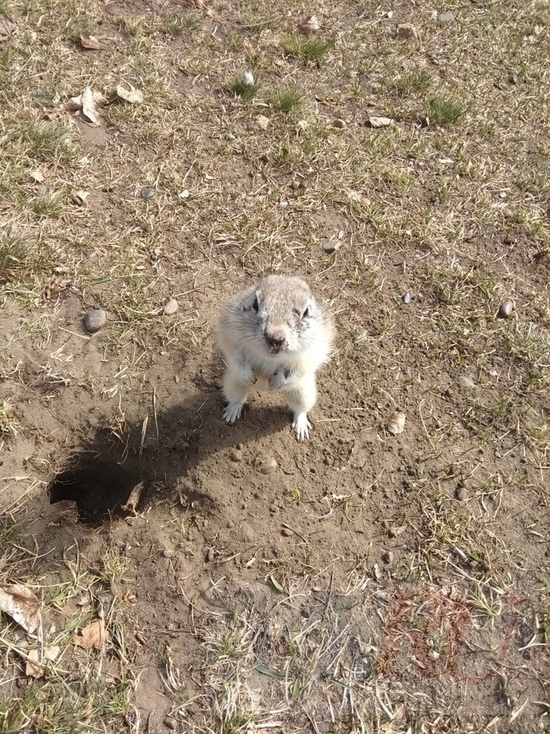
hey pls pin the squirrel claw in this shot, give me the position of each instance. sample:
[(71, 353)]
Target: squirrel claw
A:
[(231, 412), (301, 425)]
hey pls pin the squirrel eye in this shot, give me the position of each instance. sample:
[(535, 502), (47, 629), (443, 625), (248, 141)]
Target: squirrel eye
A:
[(256, 305), (306, 313)]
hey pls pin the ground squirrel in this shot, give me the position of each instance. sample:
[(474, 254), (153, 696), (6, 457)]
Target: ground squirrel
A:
[(275, 336)]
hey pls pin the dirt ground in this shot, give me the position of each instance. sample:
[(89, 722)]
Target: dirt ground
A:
[(356, 582)]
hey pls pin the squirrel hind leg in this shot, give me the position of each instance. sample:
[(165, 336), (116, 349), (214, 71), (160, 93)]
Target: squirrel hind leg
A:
[(235, 389), (301, 396)]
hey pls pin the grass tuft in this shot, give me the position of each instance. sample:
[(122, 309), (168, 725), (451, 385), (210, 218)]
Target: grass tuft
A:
[(446, 110), (46, 206), (308, 49), (240, 88), (47, 141), (178, 24), (286, 98), (418, 81)]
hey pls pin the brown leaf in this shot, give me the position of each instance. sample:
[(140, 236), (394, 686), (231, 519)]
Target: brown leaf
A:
[(309, 26), (135, 495), (33, 669), (22, 606), (92, 635), (87, 103), (35, 662), (89, 108), (90, 42)]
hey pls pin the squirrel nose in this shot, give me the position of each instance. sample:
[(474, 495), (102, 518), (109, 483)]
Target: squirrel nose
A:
[(275, 339)]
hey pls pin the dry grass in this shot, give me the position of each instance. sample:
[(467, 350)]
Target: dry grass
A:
[(450, 201)]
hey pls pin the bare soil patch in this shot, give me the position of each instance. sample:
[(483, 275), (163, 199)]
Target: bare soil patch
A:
[(243, 581)]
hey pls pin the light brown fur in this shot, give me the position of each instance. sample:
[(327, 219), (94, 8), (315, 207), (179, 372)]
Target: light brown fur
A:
[(275, 335)]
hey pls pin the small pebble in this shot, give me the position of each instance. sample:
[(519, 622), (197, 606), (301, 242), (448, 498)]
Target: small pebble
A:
[(167, 553), (147, 193), (465, 382), (287, 532), (512, 78), (506, 308), (406, 297), (334, 242), (397, 530), (210, 555), (460, 493), (339, 123), (266, 465), (79, 198), (396, 423), (171, 307), (236, 456), (446, 17), (387, 557), (170, 723), (94, 320)]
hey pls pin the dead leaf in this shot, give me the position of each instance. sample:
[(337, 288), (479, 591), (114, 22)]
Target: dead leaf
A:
[(22, 606), (90, 43), (396, 423), (92, 635), (37, 176), (35, 662), (131, 95), (87, 103), (33, 669), (89, 106), (309, 26), (7, 27), (379, 122), (135, 495), (262, 121)]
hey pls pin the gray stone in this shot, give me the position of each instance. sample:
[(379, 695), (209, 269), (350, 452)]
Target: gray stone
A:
[(447, 17), (94, 320), (506, 308)]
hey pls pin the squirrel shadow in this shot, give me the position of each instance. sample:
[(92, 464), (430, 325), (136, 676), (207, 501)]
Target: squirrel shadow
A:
[(101, 476)]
